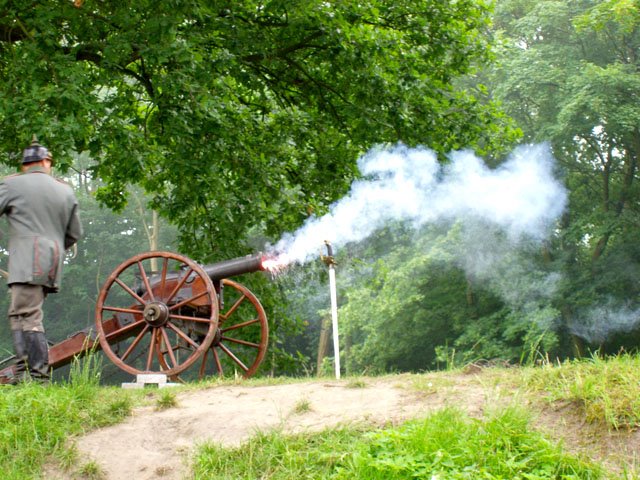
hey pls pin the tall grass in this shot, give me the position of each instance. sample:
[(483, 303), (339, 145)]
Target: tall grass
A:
[(607, 390), (446, 445), (36, 420)]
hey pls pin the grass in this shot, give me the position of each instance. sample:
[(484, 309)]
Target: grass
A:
[(91, 471), (36, 423), (356, 383), (606, 390), (446, 445), (36, 420), (166, 399), (302, 406), (430, 383)]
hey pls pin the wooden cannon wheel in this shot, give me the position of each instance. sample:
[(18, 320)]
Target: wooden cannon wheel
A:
[(153, 308), (242, 336), (241, 339)]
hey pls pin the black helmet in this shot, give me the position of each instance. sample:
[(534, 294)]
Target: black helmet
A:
[(35, 152)]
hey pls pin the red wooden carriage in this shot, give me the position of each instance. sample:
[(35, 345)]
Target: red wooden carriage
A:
[(160, 312)]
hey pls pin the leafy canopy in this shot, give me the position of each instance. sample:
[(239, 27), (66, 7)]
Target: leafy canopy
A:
[(240, 117), (569, 75)]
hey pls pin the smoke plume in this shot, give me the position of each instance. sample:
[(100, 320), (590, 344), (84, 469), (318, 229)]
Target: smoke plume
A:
[(521, 197), (595, 325)]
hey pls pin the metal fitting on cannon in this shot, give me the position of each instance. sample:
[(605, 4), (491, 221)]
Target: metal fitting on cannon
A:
[(328, 259)]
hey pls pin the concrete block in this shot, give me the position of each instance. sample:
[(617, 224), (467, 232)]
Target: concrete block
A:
[(156, 378), (144, 380)]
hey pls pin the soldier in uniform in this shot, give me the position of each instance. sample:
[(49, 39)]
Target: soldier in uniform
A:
[(42, 213)]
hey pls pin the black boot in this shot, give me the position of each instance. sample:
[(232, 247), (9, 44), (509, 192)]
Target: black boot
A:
[(38, 353), (20, 367)]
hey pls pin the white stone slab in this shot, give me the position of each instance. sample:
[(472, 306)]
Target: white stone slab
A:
[(143, 380)]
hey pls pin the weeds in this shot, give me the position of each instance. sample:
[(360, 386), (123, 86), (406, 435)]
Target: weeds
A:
[(606, 390), (166, 399), (302, 406), (91, 471)]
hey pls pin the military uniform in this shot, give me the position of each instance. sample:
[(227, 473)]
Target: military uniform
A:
[(42, 213)]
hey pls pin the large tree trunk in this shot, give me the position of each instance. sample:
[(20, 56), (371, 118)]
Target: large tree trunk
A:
[(630, 167)]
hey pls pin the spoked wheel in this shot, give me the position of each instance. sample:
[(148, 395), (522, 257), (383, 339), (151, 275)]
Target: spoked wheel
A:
[(157, 313), (242, 336)]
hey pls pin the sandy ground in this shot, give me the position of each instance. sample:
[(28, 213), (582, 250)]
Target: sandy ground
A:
[(156, 444)]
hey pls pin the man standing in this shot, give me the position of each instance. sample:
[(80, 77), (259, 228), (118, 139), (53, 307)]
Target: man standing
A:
[(42, 213)]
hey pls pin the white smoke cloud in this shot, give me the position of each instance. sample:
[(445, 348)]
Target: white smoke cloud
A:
[(596, 324), (521, 196), (509, 268)]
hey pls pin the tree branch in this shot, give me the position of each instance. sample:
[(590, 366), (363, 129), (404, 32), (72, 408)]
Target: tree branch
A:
[(283, 52)]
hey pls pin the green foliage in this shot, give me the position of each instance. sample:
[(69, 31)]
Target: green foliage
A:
[(298, 305), (302, 406), (85, 373), (400, 306), (447, 444), (568, 75), (240, 118), (416, 301), (287, 354)]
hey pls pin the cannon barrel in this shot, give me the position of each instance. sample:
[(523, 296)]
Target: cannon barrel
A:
[(235, 266)]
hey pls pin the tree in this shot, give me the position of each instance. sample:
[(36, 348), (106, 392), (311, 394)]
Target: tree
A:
[(415, 300), (241, 118), (569, 75)]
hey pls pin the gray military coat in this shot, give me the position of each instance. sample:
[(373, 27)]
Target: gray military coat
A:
[(43, 222)]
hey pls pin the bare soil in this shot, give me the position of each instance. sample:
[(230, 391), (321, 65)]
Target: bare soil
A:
[(157, 444)]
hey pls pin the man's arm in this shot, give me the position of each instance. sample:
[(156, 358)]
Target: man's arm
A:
[(4, 197), (74, 229)]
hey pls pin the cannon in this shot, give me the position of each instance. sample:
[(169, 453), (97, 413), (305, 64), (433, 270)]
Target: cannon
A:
[(161, 312)]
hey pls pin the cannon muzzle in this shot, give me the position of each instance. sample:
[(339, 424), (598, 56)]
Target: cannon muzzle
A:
[(235, 266)]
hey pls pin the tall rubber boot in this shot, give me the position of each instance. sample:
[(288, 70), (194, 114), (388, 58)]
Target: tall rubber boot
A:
[(20, 348), (38, 354)]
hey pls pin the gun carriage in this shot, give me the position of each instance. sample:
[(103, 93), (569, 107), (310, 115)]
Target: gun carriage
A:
[(161, 312)]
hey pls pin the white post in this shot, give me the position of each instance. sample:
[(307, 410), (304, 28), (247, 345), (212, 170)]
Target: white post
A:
[(334, 319)]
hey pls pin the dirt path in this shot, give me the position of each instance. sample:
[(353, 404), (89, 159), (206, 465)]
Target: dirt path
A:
[(157, 444)]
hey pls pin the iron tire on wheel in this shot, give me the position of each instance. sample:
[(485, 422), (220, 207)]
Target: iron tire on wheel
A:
[(139, 328)]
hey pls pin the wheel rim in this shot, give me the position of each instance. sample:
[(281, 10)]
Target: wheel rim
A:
[(242, 335), (157, 313)]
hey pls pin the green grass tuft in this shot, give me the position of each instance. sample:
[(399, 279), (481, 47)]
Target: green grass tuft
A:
[(166, 399), (302, 406), (91, 471), (446, 445), (356, 383)]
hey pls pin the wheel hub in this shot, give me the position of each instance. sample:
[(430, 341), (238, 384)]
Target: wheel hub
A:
[(156, 314)]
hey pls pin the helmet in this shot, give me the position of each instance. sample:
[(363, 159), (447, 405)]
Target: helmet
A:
[(35, 152)]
